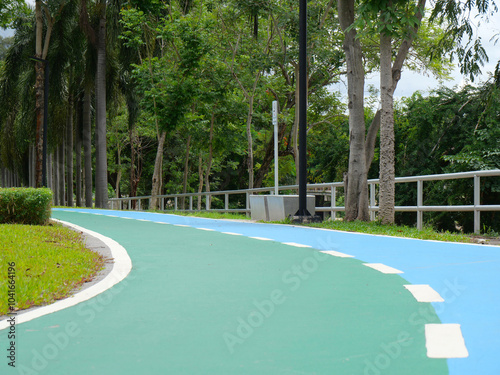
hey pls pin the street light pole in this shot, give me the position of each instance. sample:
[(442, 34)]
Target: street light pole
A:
[(302, 109), (303, 215)]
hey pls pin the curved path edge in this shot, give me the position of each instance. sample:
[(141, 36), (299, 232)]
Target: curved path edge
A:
[(121, 268)]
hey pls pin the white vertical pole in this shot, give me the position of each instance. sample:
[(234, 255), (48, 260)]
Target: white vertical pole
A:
[(420, 203), (477, 203), (372, 202), (275, 123)]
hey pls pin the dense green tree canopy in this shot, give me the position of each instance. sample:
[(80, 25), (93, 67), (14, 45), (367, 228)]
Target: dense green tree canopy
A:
[(188, 87)]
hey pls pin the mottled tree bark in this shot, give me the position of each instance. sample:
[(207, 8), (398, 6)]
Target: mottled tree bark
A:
[(69, 151), (78, 154), (357, 191), (387, 177), (157, 174), (101, 170), (87, 146)]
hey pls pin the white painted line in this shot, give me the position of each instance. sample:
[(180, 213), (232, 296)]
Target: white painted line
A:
[(129, 218), (111, 216), (337, 254), (142, 220), (445, 341), (98, 214), (295, 244), (232, 234), (207, 229), (382, 268), (160, 222), (261, 238), (121, 268), (181, 225), (424, 293)]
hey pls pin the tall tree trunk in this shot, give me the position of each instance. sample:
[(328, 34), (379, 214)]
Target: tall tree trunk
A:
[(55, 174), (186, 172), (371, 139), (39, 94), (69, 151), (101, 170), (119, 173), (269, 156), (133, 171), (209, 162), (41, 50), (390, 73), (50, 174), (387, 176), (250, 140), (157, 174), (31, 170), (357, 192), (200, 179), (295, 128), (60, 166), (78, 153), (87, 146)]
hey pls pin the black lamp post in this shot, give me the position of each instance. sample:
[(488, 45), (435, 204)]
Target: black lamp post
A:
[(45, 118), (303, 214)]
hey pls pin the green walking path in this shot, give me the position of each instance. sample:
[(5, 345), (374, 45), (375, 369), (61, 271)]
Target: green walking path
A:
[(199, 302)]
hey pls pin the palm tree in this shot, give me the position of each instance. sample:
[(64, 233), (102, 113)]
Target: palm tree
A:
[(97, 35)]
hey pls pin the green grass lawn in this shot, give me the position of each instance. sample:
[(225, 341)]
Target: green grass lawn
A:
[(207, 214), (376, 227), (50, 261)]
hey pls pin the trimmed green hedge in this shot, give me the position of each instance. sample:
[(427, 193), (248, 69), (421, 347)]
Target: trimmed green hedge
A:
[(25, 206)]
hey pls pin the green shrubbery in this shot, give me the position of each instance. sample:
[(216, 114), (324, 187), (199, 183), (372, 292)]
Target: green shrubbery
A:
[(25, 205)]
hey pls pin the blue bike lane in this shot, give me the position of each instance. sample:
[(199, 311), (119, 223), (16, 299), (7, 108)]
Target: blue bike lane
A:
[(466, 276)]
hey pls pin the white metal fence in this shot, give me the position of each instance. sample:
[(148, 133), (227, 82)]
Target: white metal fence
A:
[(330, 191)]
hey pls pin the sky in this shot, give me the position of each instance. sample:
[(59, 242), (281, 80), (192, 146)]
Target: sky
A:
[(410, 81)]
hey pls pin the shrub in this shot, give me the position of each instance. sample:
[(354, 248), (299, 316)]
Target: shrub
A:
[(25, 205)]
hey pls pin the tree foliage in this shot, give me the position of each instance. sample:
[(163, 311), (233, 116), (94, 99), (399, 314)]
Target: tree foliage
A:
[(189, 87)]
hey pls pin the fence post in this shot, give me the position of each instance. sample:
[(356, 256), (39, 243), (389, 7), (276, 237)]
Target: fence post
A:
[(477, 203), (207, 202), (139, 200), (162, 200), (248, 203), (333, 197), (190, 203), (175, 203), (372, 202), (420, 203), (226, 202)]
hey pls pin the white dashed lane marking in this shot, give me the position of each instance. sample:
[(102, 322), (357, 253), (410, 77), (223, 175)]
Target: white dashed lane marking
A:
[(337, 254), (424, 293), (295, 244), (445, 341), (382, 268)]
